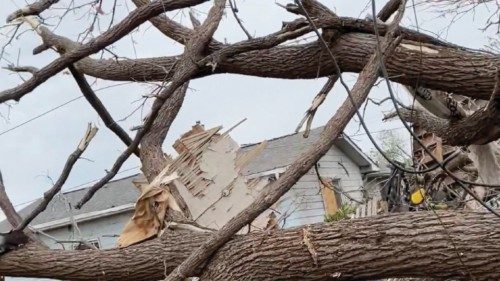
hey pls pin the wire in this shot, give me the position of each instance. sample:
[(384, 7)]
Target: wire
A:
[(40, 115), (55, 108)]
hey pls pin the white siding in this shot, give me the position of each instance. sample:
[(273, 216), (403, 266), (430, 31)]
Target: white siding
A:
[(303, 204)]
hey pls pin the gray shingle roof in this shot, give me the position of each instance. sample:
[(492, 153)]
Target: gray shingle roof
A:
[(282, 151), (115, 193)]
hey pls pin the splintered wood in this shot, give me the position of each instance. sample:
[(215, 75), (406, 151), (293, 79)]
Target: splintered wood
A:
[(191, 148), (306, 239), (207, 174), (209, 166)]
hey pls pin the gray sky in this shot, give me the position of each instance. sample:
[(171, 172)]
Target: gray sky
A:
[(273, 107)]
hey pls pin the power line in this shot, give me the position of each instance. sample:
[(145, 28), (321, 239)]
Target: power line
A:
[(40, 115), (56, 108), (375, 132)]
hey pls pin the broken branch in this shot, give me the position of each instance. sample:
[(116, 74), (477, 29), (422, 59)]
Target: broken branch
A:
[(47, 196)]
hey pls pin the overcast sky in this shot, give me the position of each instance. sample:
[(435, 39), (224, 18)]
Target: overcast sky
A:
[(32, 153)]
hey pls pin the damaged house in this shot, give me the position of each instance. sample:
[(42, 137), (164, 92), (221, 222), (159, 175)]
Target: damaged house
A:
[(217, 179)]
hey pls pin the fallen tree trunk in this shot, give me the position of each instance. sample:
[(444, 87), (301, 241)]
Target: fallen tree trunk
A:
[(467, 246)]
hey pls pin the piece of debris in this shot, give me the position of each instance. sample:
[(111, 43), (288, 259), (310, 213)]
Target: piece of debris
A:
[(150, 210), (307, 241)]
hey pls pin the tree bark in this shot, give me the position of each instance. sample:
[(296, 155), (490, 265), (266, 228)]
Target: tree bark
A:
[(456, 71), (479, 128), (398, 245)]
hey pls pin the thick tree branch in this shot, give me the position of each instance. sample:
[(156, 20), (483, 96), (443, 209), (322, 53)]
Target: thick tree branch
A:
[(480, 128), (297, 169), (153, 158), (99, 107), (351, 250), (441, 68), (48, 195), (133, 20)]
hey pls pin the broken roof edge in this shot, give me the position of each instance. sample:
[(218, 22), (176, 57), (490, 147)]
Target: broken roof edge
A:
[(344, 143)]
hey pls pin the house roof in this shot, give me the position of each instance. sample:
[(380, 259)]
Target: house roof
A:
[(277, 152), (114, 194)]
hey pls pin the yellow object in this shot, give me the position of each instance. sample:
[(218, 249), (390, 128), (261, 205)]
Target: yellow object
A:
[(417, 197)]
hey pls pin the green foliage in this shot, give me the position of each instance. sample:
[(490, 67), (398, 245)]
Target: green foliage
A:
[(343, 213), (392, 145)]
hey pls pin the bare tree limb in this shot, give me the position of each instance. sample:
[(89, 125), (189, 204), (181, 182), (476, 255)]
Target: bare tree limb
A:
[(99, 107), (133, 20), (32, 9), (12, 216), (440, 68), (153, 158), (388, 10), (235, 11), (30, 69), (8, 209), (48, 195), (167, 26)]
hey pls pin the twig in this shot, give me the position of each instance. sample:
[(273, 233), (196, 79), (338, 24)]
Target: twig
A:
[(99, 107), (30, 69), (235, 11), (333, 187), (47, 196)]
